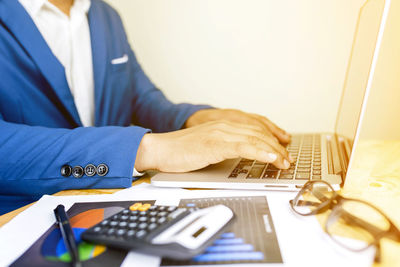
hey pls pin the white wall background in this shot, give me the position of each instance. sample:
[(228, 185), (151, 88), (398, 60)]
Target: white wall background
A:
[(285, 59)]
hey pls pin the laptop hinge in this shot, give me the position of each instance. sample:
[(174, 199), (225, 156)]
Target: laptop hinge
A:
[(344, 149), (330, 155), (335, 157)]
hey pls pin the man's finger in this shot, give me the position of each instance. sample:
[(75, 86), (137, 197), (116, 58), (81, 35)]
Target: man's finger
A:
[(252, 147), (282, 135), (266, 136)]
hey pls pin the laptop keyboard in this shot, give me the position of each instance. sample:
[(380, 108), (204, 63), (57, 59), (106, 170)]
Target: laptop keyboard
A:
[(304, 149)]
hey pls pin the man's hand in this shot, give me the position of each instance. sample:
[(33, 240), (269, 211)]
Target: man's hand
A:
[(208, 143), (237, 116)]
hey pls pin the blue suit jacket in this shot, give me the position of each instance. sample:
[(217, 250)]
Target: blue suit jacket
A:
[(40, 129)]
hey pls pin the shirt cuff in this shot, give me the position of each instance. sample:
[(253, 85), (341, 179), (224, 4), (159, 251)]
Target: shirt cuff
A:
[(136, 173)]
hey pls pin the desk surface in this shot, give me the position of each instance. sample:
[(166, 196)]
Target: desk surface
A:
[(375, 177)]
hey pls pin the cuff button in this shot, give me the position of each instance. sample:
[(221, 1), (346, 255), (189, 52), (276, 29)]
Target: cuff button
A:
[(66, 170), (77, 171), (90, 170), (102, 169)]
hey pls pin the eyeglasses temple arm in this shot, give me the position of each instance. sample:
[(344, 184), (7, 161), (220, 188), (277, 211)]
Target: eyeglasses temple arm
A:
[(307, 203), (351, 219)]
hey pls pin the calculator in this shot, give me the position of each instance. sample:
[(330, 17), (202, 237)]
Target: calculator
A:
[(166, 231)]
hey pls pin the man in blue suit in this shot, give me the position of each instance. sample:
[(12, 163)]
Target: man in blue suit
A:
[(50, 141)]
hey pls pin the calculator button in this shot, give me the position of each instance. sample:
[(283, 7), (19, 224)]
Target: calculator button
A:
[(105, 222), (176, 213), (143, 219), (134, 212), (132, 225), (111, 231), (143, 226), (121, 232), (153, 220), (125, 211), (172, 208), (130, 233), (145, 207), (153, 213), (124, 217), (97, 229), (141, 234), (161, 208), (133, 218), (162, 220), (135, 206), (122, 224), (162, 214), (143, 213), (113, 223), (152, 226), (153, 208)]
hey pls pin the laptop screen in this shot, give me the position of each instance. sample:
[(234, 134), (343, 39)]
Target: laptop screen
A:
[(358, 69)]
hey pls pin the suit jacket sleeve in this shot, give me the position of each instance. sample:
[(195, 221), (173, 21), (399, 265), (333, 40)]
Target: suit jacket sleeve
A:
[(32, 156)]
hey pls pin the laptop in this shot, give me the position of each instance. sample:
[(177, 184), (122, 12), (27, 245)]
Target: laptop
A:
[(326, 156)]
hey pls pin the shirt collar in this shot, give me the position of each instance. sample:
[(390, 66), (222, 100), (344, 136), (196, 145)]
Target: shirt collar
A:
[(82, 5), (34, 6)]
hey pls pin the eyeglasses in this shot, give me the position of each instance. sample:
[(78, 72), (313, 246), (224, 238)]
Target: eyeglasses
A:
[(353, 224)]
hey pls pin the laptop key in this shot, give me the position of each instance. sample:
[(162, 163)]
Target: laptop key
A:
[(286, 176), (287, 172), (272, 167), (270, 174), (303, 175), (255, 172), (303, 169)]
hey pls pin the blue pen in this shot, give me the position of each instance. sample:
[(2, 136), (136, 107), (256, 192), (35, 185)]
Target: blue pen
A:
[(67, 234)]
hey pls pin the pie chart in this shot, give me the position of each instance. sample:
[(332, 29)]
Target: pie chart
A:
[(53, 248)]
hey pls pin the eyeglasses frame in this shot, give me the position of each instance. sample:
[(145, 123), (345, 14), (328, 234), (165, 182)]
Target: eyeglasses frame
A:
[(335, 203)]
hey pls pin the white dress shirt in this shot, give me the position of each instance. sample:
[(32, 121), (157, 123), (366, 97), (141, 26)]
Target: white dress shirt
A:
[(69, 40)]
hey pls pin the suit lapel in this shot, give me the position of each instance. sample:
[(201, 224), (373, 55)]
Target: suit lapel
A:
[(23, 28), (98, 40)]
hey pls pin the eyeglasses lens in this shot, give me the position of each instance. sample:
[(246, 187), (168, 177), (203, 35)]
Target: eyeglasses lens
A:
[(360, 221), (315, 196)]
